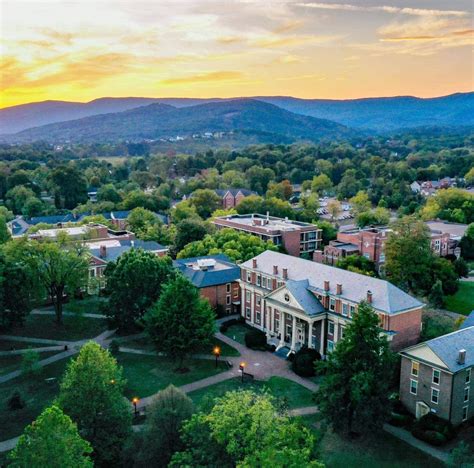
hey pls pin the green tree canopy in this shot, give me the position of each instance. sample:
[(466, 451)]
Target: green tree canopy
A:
[(134, 283), (91, 393), (51, 441), (237, 246), (467, 243), (355, 389), (69, 186), (181, 322), (205, 201), (274, 206)]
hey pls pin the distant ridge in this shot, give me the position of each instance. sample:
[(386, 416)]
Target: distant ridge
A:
[(378, 114), (247, 117)]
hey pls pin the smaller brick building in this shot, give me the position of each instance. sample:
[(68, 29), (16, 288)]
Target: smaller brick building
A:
[(436, 376), (217, 277), (232, 197)]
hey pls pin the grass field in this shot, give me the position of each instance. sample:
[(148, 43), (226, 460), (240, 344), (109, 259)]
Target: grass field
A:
[(88, 305), (463, 301), (148, 374), (382, 450), (296, 395), (73, 328), (12, 363), (35, 391), (237, 332)]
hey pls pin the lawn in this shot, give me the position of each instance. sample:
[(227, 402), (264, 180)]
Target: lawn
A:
[(463, 301), (148, 374), (74, 327), (12, 363), (88, 305), (296, 395), (35, 391), (145, 344), (381, 451), (237, 332), (8, 345)]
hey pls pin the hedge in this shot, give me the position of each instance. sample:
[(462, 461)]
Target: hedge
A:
[(255, 339), (434, 430), (303, 362)]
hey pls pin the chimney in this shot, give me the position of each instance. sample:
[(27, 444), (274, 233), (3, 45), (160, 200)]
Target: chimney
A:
[(285, 273), (462, 357), (338, 288), (103, 251), (369, 297), (326, 285), (275, 269), (254, 263)]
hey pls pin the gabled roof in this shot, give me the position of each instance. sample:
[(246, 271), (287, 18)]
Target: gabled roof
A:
[(234, 192), (225, 271), (469, 321), (385, 296), (447, 348), (307, 300), (113, 252)]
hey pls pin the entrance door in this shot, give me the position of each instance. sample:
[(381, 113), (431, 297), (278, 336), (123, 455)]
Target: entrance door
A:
[(421, 409)]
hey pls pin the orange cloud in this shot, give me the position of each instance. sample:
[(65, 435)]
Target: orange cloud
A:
[(205, 77)]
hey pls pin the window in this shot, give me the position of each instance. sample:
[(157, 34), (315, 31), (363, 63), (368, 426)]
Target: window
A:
[(351, 311), (257, 317), (466, 394), (227, 300), (247, 296), (330, 347), (227, 287), (434, 395), (264, 282), (415, 367), (382, 258), (345, 309), (92, 273), (468, 376), (331, 328), (249, 276), (413, 387), (247, 312), (436, 376), (465, 412), (341, 333), (277, 325), (258, 299), (259, 280), (332, 304)]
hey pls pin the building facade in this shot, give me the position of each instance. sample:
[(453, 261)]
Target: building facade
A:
[(436, 376), (298, 303), (216, 277), (232, 197), (296, 237)]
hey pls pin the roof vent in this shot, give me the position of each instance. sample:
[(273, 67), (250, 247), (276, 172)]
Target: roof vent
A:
[(462, 357), (205, 263)]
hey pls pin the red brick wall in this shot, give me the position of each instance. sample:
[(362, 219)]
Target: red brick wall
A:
[(228, 201), (216, 295), (238, 198), (408, 326), (291, 242)]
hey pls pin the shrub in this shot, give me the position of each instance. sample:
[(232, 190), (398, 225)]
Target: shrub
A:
[(255, 339), (303, 362), (114, 347), (431, 437), (30, 363), (228, 323), (434, 430), (400, 420), (15, 402)]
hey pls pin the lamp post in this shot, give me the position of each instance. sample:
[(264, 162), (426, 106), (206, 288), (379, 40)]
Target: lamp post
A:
[(242, 368), (217, 353), (135, 400)]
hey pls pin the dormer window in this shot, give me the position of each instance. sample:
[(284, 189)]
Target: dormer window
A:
[(332, 304), (249, 277)]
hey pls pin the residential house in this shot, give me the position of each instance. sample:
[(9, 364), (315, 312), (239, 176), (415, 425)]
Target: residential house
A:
[(296, 237), (217, 279), (427, 188), (437, 375), (298, 302), (232, 197)]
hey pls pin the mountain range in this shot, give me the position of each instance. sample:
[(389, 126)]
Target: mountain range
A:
[(272, 118)]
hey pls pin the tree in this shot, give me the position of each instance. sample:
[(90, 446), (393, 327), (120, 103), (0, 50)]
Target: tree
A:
[(33, 207), (467, 243), (169, 409), (329, 231), (408, 255), (321, 184), (310, 205), (334, 208), (354, 392), (282, 190), (461, 456), (17, 197), (183, 210), (443, 270), (134, 283), (60, 270), (181, 322), (470, 176), (436, 296), (140, 220), (357, 264), (237, 246), (69, 186), (187, 231), (273, 206), (4, 233), (53, 441), (461, 267), (91, 393), (360, 202), (205, 201), (244, 429), (108, 193)]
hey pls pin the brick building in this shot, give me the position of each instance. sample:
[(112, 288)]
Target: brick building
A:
[(296, 237), (232, 197), (217, 279), (298, 303), (436, 376)]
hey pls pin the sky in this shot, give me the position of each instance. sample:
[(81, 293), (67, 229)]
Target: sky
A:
[(82, 50)]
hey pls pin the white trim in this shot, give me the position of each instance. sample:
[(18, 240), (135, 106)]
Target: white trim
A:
[(464, 418), (466, 400), (416, 386), (417, 369), (433, 389), (433, 375)]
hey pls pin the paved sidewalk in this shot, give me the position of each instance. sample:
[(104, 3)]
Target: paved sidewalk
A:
[(305, 411), (25, 339), (406, 436), (9, 444), (74, 314), (44, 349)]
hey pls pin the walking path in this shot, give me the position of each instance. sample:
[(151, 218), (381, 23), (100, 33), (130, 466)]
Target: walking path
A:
[(85, 314), (44, 349), (406, 437), (25, 339)]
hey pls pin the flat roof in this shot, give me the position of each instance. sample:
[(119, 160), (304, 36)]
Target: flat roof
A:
[(454, 229), (270, 223)]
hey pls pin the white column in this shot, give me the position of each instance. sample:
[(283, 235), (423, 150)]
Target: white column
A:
[(293, 334), (310, 334), (323, 336), (282, 328), (336, 331)]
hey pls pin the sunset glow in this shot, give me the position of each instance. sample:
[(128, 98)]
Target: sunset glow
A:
[(82, 50)]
